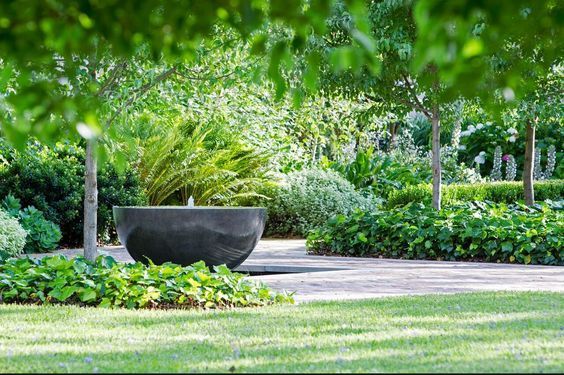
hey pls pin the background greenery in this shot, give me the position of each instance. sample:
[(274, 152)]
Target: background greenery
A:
[(196, 116), (51, 179), (307, 198), (500, 192), (42, 235)]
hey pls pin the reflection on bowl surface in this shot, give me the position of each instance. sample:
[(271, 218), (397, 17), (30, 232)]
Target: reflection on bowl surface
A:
[(216, 235)]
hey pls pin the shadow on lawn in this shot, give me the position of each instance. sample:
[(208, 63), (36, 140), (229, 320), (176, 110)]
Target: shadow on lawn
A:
[(357, 350), (463, 332)]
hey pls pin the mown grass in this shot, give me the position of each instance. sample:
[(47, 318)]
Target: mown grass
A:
[(481, 332)]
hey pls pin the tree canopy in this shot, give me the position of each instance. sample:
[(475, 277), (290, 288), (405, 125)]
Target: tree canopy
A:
[(458, 38)]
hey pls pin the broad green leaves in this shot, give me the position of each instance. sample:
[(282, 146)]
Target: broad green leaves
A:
[(106, 283), (373, 45), (42, 235), (44, 100), (471, 231)]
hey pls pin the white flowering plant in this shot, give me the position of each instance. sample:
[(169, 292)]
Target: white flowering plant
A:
[(480, 137)]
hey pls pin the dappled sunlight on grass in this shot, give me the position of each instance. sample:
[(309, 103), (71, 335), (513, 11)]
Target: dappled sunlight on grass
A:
[(513, 332)]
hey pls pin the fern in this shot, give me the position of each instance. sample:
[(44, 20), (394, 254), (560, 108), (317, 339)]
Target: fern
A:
[(200, 160)]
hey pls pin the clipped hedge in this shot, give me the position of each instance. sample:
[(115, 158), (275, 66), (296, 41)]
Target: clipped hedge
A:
[(467, 231), (107, 283), (499, 192)]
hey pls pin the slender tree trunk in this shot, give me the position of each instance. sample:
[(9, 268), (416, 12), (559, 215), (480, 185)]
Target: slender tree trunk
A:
[(528, 165), (436, 158), (90, 202), (394, 129)]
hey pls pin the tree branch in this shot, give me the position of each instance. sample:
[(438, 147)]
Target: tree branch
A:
[(210, 78), (142, 91), (418, 105), (403, 100), (110, 81), (221, 45), (194, 78)]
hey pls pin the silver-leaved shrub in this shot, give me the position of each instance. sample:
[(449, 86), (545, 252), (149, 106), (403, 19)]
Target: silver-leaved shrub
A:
[(307, 198), (12, 236)]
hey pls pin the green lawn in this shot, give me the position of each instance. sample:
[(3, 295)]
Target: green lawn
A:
[(465, 332)]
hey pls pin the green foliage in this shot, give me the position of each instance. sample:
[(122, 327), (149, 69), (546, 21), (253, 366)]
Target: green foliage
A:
[(12, 236), (107, 283), (12, 206), (388, 31), (206, 160), (306, 199), (42, 235), (520, 35), (74, 32), (476, 231), (52, 180), (378, 174), (500, 192), (360, 34)]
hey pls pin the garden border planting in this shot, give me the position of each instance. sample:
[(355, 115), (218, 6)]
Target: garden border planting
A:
[(499, 192)]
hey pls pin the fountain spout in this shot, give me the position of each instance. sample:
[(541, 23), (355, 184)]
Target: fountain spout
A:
[(190, 201)]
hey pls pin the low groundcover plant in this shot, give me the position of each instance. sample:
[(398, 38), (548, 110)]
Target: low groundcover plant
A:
[(471, 231), (107, 283)]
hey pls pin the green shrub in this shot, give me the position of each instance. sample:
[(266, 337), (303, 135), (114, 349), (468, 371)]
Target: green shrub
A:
[(12, 236), (52, 180), (42, 235), (307, 199), (106, 283), (467, 231), (379, 174), (500, 192)]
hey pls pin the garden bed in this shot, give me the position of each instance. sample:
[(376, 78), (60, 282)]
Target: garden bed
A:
[(475, 231), (107, 283)]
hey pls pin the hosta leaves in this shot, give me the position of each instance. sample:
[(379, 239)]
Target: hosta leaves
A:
[(507, 246), (87, 295)]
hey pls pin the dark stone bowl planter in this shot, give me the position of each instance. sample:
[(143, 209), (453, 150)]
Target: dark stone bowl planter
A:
[(184, 235)]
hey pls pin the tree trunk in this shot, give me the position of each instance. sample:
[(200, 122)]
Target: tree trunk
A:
[(90, 202), (394, 129), (528, 165), (436, 159)]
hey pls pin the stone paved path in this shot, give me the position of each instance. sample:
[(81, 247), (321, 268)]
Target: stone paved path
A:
[(352, 278)]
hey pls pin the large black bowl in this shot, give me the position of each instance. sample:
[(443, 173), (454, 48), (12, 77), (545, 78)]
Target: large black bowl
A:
[(184, 235)]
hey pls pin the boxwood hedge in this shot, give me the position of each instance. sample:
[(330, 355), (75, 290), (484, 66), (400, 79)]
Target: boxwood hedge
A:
[(500, 192)]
